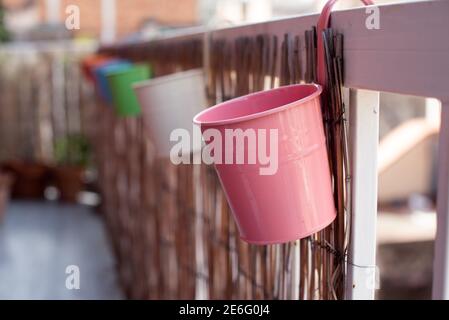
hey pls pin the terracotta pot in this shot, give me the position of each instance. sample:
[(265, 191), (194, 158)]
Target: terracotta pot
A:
[(69, 181), (30, 179), (6, 180)]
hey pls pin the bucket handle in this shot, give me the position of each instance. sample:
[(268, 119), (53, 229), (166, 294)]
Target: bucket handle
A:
[(323, 23)]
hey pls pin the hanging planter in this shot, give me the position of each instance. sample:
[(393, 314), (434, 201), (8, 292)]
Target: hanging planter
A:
[(169, 103), (91, 62), (101, 72), (120, 84), (295, 200)]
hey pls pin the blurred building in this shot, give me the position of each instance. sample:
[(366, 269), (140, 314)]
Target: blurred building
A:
[(107, 19)]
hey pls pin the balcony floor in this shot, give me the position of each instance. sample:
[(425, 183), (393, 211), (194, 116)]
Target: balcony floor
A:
[(38, 240)]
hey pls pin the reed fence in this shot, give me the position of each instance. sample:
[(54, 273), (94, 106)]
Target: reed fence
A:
[(171, 225)]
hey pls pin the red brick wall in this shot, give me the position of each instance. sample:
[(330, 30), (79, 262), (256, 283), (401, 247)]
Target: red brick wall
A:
[(130, 13)]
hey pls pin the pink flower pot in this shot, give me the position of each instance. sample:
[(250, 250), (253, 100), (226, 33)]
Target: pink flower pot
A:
[(296, 200)]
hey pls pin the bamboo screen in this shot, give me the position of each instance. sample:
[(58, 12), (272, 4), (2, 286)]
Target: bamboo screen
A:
[(43, 97), (171, 226)]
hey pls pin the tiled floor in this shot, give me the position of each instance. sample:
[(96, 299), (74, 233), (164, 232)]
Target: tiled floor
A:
[(39, 240)]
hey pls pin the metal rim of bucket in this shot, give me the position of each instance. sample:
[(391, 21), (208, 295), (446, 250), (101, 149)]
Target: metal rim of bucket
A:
[(169, 78), (110, 63), (131, 69), (317, 93), (290, 239)]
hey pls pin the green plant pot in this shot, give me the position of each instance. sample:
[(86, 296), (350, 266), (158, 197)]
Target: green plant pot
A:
[(123, 96)]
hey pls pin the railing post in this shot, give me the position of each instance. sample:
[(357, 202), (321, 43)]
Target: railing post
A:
[(364, 140), (441, 255)]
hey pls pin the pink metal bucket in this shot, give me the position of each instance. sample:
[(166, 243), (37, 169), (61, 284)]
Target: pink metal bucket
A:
[(296, 201)]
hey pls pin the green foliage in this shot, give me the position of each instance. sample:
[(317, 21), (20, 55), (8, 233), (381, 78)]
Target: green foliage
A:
[(4, 35), (74, 149)]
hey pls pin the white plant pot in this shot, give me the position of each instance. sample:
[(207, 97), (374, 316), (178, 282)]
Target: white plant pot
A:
[(169, 103)]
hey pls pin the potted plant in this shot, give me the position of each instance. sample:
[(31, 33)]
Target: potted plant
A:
[(29, 178), (4, 34), (72, 155), (5, 190)]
